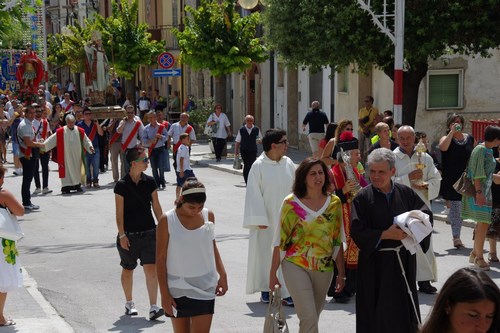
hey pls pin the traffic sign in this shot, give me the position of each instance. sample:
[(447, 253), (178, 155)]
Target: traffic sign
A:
[(167, 72), (166, 60)]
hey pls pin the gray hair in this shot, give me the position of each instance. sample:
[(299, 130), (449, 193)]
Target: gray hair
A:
[(406, 128), (151, 113), (382, 155), (70, 117)]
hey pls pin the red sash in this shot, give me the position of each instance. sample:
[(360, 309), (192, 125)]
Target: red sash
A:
[(60, 151), (26, 151), (351, 254), (115, 137), (152, 146), (178, 144), (93, 131), (69, 106), (45, 128), (131, 135)]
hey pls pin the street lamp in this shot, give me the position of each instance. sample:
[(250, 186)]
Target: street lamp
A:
[(250, 4)]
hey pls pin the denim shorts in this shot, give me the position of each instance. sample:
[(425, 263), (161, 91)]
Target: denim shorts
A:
[(15, 149), (142, 247), (181, 180)]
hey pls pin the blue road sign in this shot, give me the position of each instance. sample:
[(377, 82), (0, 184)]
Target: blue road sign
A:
[(166, 60), (167, 72)]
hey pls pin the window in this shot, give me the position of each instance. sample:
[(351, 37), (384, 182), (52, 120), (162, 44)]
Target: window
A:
[(445, 89), (343, 80)]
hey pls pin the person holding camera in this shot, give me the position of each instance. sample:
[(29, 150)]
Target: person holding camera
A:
[(456, 148), (29, 153), (91, 128), (368, 117)]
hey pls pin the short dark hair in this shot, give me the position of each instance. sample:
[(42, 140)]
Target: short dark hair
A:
[(451, 120), (271, 136), (133, 154), (300, 186), (191, 182), (370, 98), (330, 131), (491, 133), (467, 285)]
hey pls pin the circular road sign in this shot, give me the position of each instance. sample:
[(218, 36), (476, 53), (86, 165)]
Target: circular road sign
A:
[(166, 60)]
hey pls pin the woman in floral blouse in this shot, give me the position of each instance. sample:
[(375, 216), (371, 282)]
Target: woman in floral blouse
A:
[(310, 236)]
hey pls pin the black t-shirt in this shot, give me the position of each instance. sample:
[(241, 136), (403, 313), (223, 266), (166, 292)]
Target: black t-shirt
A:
[(137, 201), (317, 120)]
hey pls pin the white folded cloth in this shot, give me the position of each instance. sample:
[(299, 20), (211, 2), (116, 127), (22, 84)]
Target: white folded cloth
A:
[(417, 225)]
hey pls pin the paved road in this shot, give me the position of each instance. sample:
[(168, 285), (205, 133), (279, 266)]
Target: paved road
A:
[(69, 251)]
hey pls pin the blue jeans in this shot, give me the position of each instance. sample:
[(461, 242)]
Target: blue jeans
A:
[(92, 161), (157, 160), (166, 161)]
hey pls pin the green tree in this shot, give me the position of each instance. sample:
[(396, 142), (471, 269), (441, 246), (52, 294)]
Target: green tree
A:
[(127, 42), (217, 38), (12, 25), (67, 49), (318, 33)]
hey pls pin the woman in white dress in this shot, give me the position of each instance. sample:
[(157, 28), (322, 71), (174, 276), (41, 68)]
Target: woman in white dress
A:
[(10, 267)]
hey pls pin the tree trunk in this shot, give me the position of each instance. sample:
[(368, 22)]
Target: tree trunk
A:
[(411, 83), (220, 91), (130, 88)]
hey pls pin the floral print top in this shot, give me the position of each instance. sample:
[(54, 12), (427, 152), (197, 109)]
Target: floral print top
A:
[(309, 237)]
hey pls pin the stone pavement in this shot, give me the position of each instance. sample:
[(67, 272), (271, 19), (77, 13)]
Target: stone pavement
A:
[(33, 313)]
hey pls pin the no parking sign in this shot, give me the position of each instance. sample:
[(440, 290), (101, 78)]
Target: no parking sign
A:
[(166, 60)]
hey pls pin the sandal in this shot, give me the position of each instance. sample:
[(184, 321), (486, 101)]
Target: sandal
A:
[(492, 257), (457, 242), (472, 258), (8, 322), (481, 264)]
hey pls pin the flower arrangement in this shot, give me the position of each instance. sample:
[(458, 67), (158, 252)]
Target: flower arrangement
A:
[(26, 96)]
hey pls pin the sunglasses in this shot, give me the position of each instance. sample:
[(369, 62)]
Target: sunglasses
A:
[(142, 159), (349, 129)]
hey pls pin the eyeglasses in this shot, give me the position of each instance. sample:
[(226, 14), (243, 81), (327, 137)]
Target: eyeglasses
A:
[(284, 141), (349, 129), (142, 159)]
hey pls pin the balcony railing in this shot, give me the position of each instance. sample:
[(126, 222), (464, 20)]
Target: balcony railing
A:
[(164, 33)]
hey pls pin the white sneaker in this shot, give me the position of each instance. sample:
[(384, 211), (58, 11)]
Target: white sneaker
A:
[(37, 191), (446, 211), (155, 312), (130, 308), (46, 190)]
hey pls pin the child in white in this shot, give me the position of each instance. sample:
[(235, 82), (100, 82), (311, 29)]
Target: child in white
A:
[(184, 170)]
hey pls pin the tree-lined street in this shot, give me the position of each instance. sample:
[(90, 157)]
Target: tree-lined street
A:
[(69, 250)]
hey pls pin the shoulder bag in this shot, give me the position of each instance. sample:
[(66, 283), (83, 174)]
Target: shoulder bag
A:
[(9, 228), (464, 185), (275, 319), (211, 130)]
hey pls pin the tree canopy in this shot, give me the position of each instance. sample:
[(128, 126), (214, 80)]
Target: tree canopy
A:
[(217, 38), (12, 25), (318, 33)]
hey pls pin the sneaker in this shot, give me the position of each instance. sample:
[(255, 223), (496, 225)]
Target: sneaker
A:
[(287, 301), (264, 297), (155, 312), (18, 172), (46, 190), (446, 211), (37, 191), (130, 309), (31, 207)]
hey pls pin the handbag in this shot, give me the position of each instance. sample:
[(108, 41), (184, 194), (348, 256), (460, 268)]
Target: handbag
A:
[(9, 228), (275, 319), (464, 185), (211, 130), (237, 163)]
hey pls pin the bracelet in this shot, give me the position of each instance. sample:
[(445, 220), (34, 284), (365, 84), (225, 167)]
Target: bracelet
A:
[(121, 236), (341, 277)]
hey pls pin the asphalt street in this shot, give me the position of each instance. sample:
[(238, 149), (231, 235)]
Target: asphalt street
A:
[(73, 272)]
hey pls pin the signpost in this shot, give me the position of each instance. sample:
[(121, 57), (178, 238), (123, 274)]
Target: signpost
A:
[(167, 72)]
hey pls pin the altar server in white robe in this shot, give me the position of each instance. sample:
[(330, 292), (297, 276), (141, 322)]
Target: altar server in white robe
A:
[(270, 180), (430, 178), (71, 141)]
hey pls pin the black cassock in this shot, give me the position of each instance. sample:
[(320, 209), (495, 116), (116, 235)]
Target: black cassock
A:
[(383, 304)]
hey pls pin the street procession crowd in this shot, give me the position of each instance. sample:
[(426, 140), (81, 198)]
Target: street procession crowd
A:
[(354, 220)]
